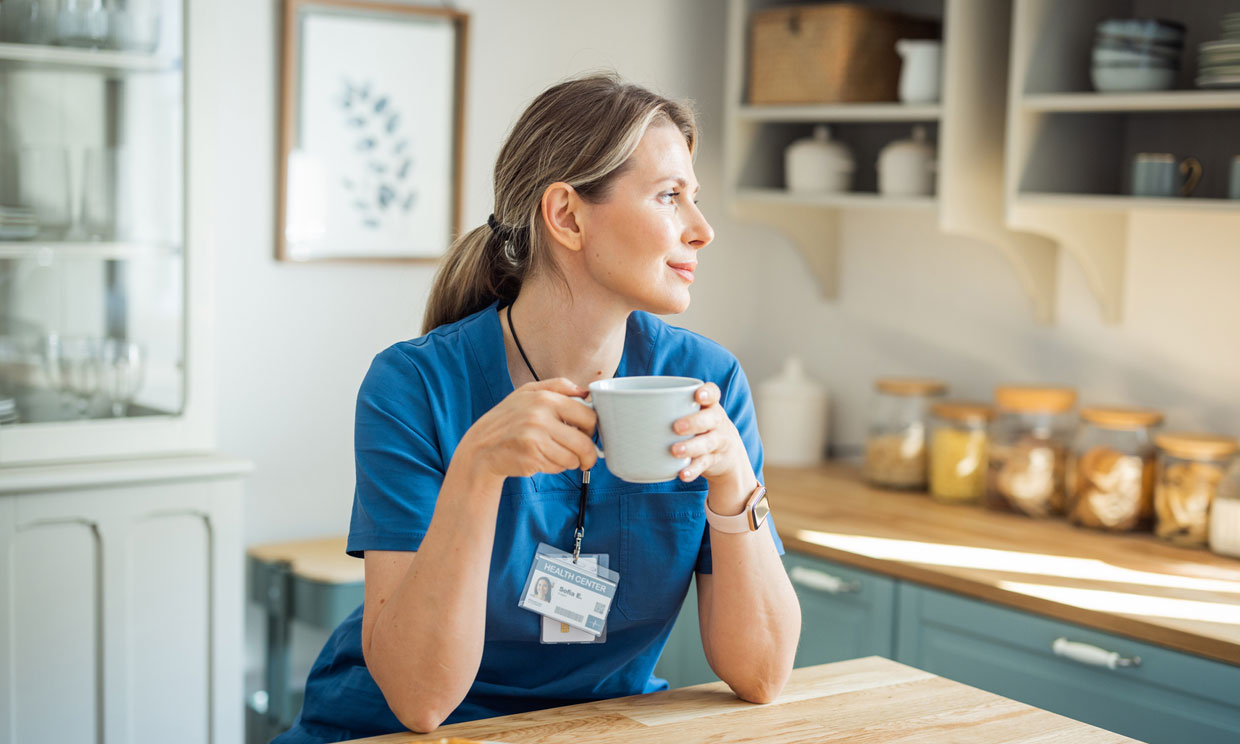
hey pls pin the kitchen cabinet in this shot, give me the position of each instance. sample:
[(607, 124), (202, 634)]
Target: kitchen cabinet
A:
[(121, 602), (105, 212), (1164, 697), (1160, 696), (968, 125), (845, 614), (1069, 149)]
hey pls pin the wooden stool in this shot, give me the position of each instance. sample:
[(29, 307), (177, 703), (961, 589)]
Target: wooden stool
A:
[(313, 581)]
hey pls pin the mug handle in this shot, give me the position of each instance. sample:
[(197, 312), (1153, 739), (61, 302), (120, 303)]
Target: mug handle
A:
[(1191, 169), (597, 450)]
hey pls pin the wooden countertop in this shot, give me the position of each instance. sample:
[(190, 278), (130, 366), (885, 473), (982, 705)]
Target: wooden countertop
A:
[(873, 700), (1130, 584)]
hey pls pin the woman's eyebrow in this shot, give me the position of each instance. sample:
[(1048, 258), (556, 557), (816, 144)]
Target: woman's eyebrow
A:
[(679, 181)]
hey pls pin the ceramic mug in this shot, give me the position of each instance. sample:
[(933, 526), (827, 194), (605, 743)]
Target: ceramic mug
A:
[(920, 70), (1233, 191), (1158, 174), (635, 418)]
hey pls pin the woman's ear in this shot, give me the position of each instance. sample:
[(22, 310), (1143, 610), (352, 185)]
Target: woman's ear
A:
[(561, 206)]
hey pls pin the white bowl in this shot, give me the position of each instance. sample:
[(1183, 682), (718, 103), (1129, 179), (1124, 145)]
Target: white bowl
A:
[(1128, 79), (1142, 28), (1123, 56)]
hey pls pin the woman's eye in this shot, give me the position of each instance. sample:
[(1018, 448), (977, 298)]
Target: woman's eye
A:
[(668, 197)]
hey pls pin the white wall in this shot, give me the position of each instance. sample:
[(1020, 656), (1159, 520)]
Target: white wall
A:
[(294, 340)]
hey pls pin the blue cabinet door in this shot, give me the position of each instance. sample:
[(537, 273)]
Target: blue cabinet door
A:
[(1166, 698), (846, 613), (683, 662)]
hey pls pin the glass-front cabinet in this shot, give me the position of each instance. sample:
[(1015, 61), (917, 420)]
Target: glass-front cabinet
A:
[(95, 270)]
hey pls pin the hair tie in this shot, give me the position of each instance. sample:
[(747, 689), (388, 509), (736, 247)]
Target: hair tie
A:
[(495, 225)]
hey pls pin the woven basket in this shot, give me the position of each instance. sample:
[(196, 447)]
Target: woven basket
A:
[(831, 53)]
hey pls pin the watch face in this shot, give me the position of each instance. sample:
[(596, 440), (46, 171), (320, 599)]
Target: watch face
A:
[(758, 514)]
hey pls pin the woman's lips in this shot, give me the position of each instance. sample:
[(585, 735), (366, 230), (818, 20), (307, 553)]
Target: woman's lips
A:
[(685, 270)]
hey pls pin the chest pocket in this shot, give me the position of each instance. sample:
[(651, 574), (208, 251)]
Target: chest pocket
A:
[(660, 538)]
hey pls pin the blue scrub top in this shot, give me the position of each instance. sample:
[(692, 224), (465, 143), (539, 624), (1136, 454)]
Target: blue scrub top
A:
[(415, 404)]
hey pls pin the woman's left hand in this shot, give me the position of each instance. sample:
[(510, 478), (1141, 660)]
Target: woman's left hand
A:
[(716, 451)]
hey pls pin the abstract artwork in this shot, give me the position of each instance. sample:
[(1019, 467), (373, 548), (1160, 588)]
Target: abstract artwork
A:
[(371, 130)]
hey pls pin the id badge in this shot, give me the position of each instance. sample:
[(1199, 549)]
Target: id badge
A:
[(567, 592), (554, 631)]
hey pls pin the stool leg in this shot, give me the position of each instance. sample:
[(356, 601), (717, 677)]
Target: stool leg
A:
[(279, 611)]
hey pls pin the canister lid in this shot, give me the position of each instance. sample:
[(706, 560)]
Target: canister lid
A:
[(910, 386), (1194, 445), (965, 411), (1119, 417), (1034, 399)]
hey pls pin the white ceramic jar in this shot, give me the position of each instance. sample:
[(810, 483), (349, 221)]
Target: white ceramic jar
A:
[(818, 164), (906, 167), (792, 417)]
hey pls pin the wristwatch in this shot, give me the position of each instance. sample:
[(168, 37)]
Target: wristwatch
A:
[(751, 517)]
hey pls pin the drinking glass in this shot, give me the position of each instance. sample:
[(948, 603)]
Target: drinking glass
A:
[(44, 184), (73, 366), (82, 23), (99, 193), (124, 365)]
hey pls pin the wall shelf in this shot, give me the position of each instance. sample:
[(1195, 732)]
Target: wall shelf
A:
[(843, 112), (1172, 100), (1120, 203), (51, 251), (851, 200), (72, 58)]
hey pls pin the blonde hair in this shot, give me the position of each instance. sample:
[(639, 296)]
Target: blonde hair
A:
[(581, 132)]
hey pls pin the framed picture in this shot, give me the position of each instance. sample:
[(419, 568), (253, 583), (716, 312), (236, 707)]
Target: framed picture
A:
[(370, 130)]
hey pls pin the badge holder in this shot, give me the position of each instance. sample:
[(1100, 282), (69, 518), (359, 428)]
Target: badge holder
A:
[(568, 592), (554, 631)]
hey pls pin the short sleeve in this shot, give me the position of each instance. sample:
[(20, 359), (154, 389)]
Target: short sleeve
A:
[(738, 402), (400, 468)]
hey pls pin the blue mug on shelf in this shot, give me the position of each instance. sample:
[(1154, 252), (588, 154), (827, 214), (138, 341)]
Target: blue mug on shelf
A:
[(1158, 174)]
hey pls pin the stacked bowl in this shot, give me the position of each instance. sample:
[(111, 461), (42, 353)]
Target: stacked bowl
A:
[(1136, 54), (1218, 62)]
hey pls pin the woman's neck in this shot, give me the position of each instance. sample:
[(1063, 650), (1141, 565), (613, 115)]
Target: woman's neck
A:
[(563, 336)]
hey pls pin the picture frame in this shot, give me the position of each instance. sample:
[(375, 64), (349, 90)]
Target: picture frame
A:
[(371, 130)]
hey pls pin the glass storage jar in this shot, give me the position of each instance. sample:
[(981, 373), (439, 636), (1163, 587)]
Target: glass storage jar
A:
[(1225, 516), (1028, 449), (895, 451), (1189, 472), (1110, 482), (958, 445)]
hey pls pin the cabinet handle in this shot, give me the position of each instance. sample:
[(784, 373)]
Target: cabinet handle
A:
[(822, 581), (1092, 655)]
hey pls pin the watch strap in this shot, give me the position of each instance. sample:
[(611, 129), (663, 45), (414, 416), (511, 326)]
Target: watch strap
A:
[(751, 517)]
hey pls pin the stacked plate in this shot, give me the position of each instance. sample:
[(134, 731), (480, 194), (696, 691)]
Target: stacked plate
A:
[(1135, 54), (17, 223), (1218, 62)]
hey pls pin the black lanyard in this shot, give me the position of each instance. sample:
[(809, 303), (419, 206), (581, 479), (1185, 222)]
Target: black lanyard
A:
[(580, 532)]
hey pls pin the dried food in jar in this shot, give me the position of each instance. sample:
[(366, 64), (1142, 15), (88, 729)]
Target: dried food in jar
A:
[(958, 464), (897, 460), (1111, 490), (1182, 499), (1028, 476)]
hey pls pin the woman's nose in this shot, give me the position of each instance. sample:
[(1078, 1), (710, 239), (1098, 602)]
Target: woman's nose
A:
[(699, 233)]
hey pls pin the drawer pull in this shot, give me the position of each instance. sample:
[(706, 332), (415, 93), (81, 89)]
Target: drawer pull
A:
[(822, 581), (1092, 655)]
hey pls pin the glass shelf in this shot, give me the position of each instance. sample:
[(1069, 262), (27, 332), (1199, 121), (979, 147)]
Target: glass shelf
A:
[(47, 252), (860, 112), (1172, 100), (848, 200), (41, 56)]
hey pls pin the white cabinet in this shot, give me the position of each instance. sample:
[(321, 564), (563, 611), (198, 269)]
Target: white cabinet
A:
[(121, 600), (1070, 149), (968, 126)]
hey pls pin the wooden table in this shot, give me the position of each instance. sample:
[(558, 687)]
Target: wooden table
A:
[(862, 701), (1132, 584)]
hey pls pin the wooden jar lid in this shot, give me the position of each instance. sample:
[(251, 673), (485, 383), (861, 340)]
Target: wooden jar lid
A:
[(1034, 399), (964, 411), (1196, 446), (1117, 417), (910, 386)]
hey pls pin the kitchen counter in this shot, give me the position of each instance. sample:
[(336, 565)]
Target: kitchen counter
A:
[(871, 699), (1130, 584)]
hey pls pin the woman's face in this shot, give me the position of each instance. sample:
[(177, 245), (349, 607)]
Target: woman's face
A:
[(641, 243)]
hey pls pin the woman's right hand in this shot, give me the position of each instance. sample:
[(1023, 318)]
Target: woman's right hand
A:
[(539, 428)]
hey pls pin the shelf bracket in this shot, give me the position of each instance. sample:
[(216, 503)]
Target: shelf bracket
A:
[(814, 232)]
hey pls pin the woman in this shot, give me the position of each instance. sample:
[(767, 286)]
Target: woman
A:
[(470, 450), (542, 589)]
